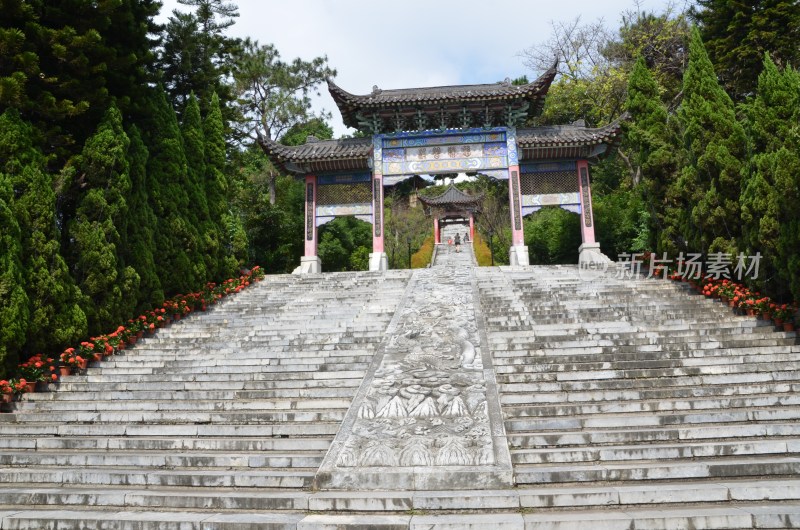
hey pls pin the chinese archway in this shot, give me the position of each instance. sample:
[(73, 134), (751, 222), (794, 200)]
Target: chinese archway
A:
[(441, 131)]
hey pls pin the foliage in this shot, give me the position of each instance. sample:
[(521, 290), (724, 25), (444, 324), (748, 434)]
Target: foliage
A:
[(738, 34), (481, 249), (14, 311), (552, 236), (405, 229), (422, 257), (342, 238), (708, 185), (273, 95), (109, 287)]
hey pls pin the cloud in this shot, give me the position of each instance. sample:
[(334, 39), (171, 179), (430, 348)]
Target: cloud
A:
[(413, 43)]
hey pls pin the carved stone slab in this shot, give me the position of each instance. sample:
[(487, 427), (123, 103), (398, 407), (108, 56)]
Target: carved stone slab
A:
[(427, 415)]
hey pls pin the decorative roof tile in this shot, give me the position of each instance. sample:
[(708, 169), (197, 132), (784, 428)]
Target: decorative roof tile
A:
[(452, 195)]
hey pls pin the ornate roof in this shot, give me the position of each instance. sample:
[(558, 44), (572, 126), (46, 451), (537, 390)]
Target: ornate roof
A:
[(452, 195), (320, 155), (535, 143), (569, 141), (459, 106)]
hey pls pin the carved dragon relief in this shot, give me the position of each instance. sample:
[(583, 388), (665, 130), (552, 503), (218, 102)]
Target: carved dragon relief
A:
[(427, 405)]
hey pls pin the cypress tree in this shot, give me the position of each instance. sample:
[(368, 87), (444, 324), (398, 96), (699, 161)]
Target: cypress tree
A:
[(109, 287), (770, 199), (176, 237), (142, 224), (652, 154), (709, 183), (56, 318), (229, 226), (13, 300), (194, 147)]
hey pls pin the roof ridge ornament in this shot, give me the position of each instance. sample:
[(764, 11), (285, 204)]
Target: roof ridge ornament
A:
[(376, 90)]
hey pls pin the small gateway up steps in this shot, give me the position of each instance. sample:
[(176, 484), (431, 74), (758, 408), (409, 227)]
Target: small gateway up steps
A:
[(625, 404)]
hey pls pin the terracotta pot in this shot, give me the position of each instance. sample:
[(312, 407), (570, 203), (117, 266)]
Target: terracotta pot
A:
[(121, 345), (176, 317), (82, 364), (65, 370), (140, 334), (731, 303), (788, 326), (751, 312), (30, 387), (763, 316), (6, 398), (778, 321)]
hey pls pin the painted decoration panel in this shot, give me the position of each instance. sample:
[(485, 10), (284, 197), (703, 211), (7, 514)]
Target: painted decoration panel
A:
[(344, 178), (550, 199), (574, 208), (448, 152)]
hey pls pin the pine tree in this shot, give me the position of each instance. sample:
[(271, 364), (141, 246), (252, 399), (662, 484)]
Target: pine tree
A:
[(13, 300), (652, 155), (709, 183), (142, 224), (109, 287), (177, 259)]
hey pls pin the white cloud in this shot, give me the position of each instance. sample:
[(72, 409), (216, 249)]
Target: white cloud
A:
[(413, 43)]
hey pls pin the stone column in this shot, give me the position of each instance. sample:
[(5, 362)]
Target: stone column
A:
[(377, 260), (471, 226), (437, 236), (590, 249), (518, 253), (310, 262)]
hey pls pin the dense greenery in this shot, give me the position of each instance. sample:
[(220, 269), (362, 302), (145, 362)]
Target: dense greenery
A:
[(129, 168)]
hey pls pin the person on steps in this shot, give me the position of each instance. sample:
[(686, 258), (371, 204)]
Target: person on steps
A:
[(458, 242)]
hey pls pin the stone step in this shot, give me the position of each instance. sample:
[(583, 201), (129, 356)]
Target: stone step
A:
[(768, 390), (182, 404), (647, 470), (659, 405), (674, 451), (652, 419), (135, 476), (167, 460), (685, 434), (167, 443), (60, 428), (178, 417)]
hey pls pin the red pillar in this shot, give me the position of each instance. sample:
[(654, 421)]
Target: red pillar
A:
[(471, 227), (311, 216), (585, 194), (515, 206), (377, 211), (437, 237)]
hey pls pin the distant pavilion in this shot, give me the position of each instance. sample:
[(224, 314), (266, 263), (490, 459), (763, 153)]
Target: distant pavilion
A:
[(474, 129)]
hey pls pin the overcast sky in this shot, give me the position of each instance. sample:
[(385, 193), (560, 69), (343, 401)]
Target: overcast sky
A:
[(413, 43)]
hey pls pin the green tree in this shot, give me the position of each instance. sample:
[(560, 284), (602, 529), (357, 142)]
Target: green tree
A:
[(226, 230), (103, 172), (194, 147), (178, 261), (770, 201), (14, 312), (553, 236), (197, 55), (55, 315), (139, 249), (709, 183), (340, 244), (651, 158), (738, 33)]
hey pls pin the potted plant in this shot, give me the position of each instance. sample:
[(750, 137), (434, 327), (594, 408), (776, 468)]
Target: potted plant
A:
[(37, 368), (71, 362), (785, 314), (6, 391)]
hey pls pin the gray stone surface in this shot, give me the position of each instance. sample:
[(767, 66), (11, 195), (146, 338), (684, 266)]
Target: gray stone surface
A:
[(427, 415)]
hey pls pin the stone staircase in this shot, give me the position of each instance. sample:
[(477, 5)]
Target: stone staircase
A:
[(625, 404), (639, 395)]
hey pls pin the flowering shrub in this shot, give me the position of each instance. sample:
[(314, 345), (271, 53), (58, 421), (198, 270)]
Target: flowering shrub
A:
[(38, 368), (71, 358), (783, 312)]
